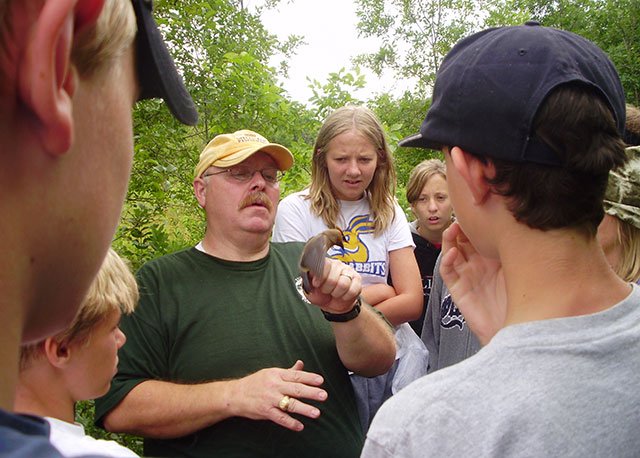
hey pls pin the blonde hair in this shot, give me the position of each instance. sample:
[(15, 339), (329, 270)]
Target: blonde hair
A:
[(112, 35), (420, 174), (628, 267), (114, 288), (98, 46), (381, 190)]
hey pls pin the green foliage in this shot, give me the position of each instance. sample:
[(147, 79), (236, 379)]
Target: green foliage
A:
[(614, 25), (222, 51), (336, 92), (415, 34), (85, 413), (402, 117)]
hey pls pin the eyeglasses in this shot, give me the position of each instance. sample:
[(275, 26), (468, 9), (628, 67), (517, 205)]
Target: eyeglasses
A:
[(243, 174)]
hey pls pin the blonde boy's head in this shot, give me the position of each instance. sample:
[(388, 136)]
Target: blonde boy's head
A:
[(114, 288)]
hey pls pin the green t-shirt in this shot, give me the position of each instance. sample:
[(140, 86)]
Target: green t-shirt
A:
[(201, 318)]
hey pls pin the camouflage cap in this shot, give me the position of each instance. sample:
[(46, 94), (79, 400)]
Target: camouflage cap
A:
[(622, 198)]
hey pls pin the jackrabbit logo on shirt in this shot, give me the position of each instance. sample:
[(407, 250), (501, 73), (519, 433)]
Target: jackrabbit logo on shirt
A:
[(355, 251), (450, 315)]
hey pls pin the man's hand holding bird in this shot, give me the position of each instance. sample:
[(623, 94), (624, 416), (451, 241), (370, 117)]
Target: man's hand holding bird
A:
[(328, 283)]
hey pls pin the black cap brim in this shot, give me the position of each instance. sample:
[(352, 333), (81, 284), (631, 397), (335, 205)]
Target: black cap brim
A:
[(157, 73), (419, 141), (412, 141)]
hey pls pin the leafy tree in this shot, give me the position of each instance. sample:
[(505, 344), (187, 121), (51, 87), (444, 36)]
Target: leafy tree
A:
[(400, 118), (222, 51), (415, 34), (614, 25), (336, 92)]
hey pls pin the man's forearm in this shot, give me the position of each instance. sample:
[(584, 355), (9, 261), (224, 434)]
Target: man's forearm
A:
[(166, 410), (365, 344)]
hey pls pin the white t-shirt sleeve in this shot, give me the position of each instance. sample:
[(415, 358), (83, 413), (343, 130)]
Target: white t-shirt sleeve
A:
[(400, 231), (292, 219), (71, 440)]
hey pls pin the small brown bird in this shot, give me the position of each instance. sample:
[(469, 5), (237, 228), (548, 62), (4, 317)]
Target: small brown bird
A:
[(314, 252)]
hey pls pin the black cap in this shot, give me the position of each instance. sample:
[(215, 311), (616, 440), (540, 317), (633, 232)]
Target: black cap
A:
[(157, 73), (491, 85)]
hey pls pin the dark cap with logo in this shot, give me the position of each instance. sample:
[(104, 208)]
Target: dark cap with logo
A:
[(157, 72), (491, 85)]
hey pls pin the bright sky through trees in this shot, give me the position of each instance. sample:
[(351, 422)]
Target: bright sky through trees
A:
[(329, 28)]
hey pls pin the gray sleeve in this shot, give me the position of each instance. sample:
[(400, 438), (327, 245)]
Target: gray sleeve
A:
[(431, 327)]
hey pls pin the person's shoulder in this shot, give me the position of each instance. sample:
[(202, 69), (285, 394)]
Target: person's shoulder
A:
[(25, 436), (180, 254), (421, 242), (397, 207), (171, 258), (287, 248), (414, 419), (399, 216), (627, 310), (15, 445), (444, 389), (72, 440), (296, 199)]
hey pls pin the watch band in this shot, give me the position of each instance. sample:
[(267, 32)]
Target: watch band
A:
[(347, 316)]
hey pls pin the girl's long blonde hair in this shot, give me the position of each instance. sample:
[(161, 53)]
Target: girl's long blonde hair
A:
[(381, 190)]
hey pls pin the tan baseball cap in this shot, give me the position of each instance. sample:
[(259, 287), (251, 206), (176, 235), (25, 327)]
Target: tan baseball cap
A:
[(226, 150)]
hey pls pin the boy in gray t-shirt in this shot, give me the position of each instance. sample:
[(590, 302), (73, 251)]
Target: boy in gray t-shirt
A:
[(530, 121)]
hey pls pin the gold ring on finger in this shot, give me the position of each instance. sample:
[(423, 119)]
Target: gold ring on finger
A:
[(284, 403)]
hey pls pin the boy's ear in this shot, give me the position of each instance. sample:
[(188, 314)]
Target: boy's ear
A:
[(46, 78), (474, 172), (58, 352)]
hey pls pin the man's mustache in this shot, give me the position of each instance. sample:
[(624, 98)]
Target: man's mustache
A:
[(259, 198)]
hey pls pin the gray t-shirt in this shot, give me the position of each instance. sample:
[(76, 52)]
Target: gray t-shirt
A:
[(445, 333), (561, 387)]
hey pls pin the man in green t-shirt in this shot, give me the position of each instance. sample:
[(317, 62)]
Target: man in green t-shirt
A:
[(226, 355)]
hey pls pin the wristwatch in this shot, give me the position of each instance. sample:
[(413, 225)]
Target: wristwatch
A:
[(347, 316)]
